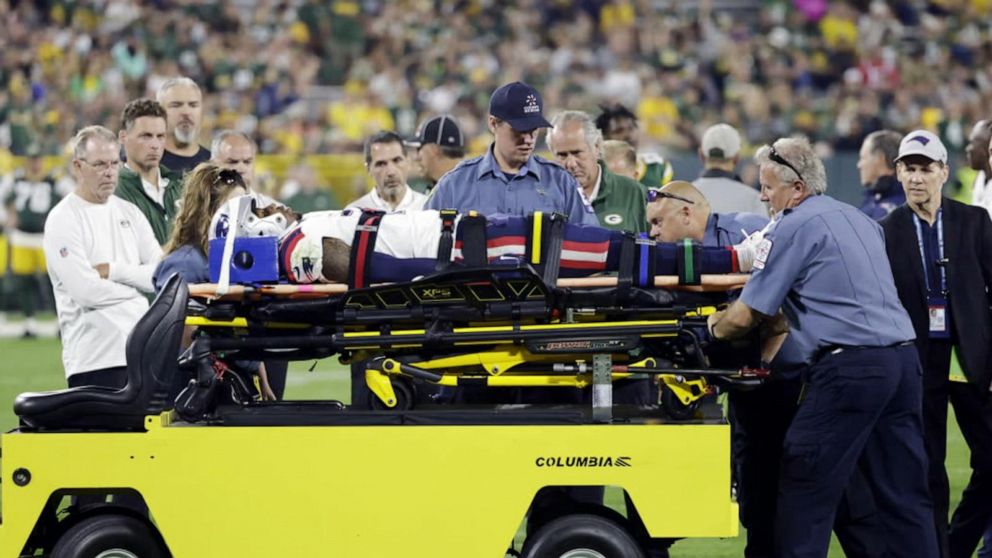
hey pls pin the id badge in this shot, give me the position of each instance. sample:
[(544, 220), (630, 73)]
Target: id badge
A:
[(940, 325)]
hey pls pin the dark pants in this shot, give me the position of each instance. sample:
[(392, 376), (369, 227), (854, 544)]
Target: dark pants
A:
[(276, 371), (115, 377), (858, 404), (759, 420), (974, 415)]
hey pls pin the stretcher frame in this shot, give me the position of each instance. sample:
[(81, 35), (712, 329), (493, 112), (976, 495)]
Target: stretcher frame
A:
[(496, 356)]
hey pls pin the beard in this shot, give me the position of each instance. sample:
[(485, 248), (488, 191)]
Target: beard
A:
[(185, 135)]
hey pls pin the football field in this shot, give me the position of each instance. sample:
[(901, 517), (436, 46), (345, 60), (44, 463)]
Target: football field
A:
[(33, 365)]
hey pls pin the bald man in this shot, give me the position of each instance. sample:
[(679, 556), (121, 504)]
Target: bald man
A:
[(679, 210)]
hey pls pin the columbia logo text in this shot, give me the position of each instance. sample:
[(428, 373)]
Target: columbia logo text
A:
[(583, 461)]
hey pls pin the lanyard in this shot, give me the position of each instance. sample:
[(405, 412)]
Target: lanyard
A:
[(940, 250)]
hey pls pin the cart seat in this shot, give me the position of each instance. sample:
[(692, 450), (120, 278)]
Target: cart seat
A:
[(151, 351)]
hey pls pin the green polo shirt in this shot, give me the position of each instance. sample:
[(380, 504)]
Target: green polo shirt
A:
[(620, 204), (129, 188)]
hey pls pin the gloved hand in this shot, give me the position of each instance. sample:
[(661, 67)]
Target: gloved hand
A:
[(747, 250), (746, 253)]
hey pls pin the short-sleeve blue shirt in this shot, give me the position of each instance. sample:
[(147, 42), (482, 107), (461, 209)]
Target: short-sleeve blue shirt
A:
[(479, 184), (824, 264), (725, 229)]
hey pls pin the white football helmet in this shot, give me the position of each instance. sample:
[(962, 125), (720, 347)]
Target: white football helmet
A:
[(248, 223)]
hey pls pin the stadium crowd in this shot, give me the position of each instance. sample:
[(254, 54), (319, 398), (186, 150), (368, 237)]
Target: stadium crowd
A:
[(303, 76)]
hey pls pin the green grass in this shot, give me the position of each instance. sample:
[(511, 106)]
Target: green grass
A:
[(34, 365)]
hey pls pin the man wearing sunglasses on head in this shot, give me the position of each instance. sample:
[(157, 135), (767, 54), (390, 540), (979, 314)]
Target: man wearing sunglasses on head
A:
[(759, 417), (823, 264), (509, 179)]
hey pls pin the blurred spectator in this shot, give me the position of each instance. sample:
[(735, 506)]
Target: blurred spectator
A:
[(877, 170), (618, 123), (720, 149), (183, 103), (440, 146), (307, 194), (977, 153), (313, 77), (621, 158), (28, 201), (144, 181), (388, 165)]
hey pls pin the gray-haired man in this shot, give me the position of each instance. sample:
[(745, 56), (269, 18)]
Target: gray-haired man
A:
[(183, 103)]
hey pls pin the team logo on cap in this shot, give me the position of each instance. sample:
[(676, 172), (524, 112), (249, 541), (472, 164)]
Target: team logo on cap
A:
[(922, 139), (531, 104)]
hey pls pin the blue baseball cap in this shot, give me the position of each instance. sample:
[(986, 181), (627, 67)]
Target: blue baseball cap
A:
[(519, 105)]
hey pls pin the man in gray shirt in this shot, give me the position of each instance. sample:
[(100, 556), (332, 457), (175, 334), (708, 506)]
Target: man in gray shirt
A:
[(719, 151)]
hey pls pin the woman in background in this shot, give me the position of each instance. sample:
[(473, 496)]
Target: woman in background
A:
[(207, 188)]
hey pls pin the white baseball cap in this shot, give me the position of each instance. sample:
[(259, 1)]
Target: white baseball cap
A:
[(922, 142), (721, 141)]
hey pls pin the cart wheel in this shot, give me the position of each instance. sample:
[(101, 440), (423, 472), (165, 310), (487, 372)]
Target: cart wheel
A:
[(675, 407), (109, 536), (581, 536), (404, 397)]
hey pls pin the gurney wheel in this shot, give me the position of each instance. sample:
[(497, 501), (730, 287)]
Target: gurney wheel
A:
[(675, 408), (582, 536), (405, 397), (105, 534)]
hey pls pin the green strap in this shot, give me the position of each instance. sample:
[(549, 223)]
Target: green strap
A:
[(690, 273)]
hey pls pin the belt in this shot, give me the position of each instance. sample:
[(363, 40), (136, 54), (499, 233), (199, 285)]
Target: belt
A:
[(835, 349)]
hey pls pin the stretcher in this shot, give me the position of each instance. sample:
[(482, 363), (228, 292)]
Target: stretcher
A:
[(485, 327)]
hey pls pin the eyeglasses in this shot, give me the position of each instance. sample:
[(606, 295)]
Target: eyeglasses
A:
[(774, 156), (654, 195), (101, 166)]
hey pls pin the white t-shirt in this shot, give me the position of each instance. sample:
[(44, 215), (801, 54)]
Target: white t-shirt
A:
[(96, 315), (412, 201)]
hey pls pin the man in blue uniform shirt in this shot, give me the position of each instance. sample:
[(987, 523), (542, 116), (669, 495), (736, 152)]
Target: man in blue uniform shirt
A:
[(760, 417), (823, 264), (509, 179)]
